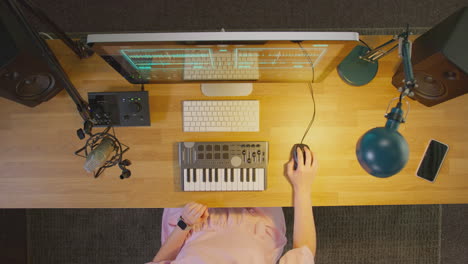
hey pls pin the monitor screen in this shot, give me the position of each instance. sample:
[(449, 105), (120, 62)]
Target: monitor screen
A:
[(224, 56)]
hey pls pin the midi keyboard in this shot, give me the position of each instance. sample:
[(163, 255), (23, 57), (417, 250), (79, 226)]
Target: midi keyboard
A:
[(223, 166)]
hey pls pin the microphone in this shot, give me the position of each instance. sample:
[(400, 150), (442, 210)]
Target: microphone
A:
[(98, 156)]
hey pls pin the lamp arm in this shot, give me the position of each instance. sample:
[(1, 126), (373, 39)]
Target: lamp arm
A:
[(377, 53), (405, 54)]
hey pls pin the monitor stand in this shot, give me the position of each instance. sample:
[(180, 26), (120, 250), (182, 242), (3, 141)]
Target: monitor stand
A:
[(226, 89)]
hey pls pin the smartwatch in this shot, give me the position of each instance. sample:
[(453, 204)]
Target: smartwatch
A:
[(181, 223)]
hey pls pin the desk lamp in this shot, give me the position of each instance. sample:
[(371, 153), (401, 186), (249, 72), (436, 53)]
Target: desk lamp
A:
[(381, 151)]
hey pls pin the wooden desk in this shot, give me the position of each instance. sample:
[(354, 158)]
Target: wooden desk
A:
[(38, 168)]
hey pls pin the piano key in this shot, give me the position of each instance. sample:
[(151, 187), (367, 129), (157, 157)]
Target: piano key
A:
[(232, 175), (253, 175), (240, 184), (205, 173), (245, 183), (198, 175), (222, 179), (250, 182), (261, 179), (255, 180), (229, 182), (241, 175), (185, 179), (190, 182), (207, 183), (213, 180), (236, 184), (219, 179), (203, 179), (226, 175)]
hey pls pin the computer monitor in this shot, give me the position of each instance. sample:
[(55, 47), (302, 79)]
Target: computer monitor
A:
[(224, 58)]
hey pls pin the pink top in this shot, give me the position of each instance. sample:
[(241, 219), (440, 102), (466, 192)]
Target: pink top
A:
[(235, 235)]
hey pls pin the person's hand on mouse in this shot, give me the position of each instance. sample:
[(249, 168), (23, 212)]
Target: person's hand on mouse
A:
[(301, 179), (195, 213)]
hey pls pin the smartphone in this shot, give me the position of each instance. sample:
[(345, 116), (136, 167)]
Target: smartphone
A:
[(432, 160)]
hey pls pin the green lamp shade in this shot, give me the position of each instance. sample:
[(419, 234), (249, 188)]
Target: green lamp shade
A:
[(356, 71), (382, 151)]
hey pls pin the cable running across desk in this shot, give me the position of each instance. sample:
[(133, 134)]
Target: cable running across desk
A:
[(311, 89)]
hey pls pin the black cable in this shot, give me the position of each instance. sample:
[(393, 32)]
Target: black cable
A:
[(311, 89), (313, 116), (96, 139), (362, 41)]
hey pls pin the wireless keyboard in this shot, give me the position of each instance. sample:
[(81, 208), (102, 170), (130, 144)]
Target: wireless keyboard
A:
[(221, 116)]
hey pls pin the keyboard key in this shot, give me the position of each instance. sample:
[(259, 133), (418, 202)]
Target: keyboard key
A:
[(229, 180), (213, 179), (261, 180), (251, 180), (185, 179), (204, 176), (245, 183), (190, 186), (199, 182), (219, 179), (223, 179), (237, 183)]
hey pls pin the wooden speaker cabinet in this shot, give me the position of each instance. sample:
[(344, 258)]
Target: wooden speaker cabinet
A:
[(440, 61), (29, 72)]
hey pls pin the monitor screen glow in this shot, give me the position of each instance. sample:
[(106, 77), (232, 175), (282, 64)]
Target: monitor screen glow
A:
[(262, 57)]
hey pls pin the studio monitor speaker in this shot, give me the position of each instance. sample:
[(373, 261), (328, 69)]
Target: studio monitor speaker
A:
[(440, 61), (29, 72)]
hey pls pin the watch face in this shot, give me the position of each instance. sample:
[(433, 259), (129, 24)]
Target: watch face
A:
[(182, 225)]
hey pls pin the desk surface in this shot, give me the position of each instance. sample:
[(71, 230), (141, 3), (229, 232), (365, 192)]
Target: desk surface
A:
[(38, 168)]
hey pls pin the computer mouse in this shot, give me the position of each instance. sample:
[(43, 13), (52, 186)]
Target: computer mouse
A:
[(294, 153)]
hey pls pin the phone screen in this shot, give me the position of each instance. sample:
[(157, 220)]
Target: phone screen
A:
[(432, 160)]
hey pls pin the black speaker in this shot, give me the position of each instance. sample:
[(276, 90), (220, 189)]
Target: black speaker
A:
[(29, 72), (440, 61)]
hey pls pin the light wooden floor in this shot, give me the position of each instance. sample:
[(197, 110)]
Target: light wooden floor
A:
[(40, 170)]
